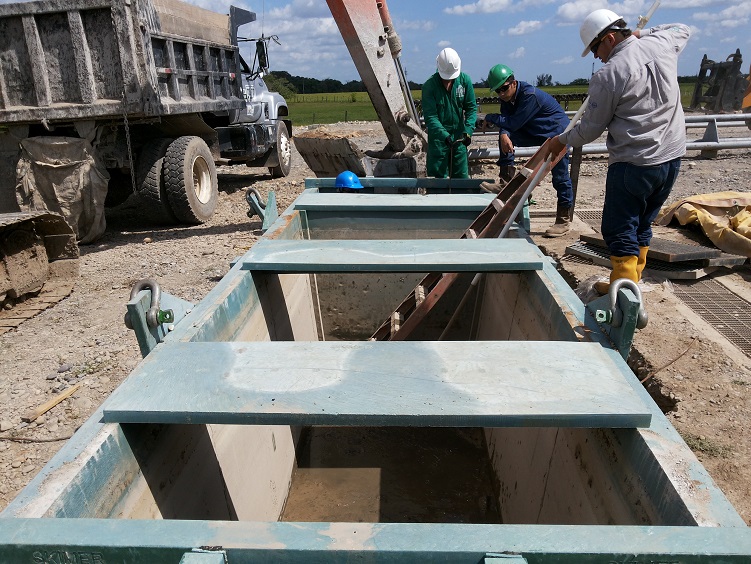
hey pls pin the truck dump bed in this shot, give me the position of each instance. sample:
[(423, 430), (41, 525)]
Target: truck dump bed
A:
[(91, 59)]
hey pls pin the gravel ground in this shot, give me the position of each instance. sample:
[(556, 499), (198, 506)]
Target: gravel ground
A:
[(83, 339)]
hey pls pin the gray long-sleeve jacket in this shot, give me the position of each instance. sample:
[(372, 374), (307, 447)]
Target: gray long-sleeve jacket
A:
[(635, 95)]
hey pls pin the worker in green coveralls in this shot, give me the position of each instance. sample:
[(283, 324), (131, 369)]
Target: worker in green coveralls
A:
[(450, 111)]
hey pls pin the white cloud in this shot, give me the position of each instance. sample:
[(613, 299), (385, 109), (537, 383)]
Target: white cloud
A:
[(417, 25), (444, 43), (564, 61), (311, 44), (517, 53), (729, 18), (576, 11), (479, 7), (310, 9), (524, 4), (682, 4), (524, 27)]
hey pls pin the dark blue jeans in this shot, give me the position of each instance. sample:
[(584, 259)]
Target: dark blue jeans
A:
[(633, 198), (561, 177)]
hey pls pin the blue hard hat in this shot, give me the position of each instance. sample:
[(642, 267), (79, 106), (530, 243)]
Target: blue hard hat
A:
[(347, 179)]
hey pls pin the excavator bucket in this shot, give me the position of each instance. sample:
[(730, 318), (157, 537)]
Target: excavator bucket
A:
[(328, 155), (38, 264)]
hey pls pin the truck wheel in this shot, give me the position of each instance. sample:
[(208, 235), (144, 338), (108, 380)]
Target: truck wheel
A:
[(190, 180), (283, 151), (150, 180)]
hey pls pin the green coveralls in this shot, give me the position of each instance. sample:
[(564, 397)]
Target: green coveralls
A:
[(448, 113)]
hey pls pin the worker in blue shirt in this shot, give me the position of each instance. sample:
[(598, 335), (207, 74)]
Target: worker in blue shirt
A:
[(528, 117), (450, 111)]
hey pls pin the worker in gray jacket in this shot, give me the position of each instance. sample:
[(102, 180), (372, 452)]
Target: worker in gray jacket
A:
[(635, 96)]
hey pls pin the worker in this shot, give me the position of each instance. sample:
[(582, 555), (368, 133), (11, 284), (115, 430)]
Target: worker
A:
[(348, 182), (450, 111), (528, 118), (635, 95)]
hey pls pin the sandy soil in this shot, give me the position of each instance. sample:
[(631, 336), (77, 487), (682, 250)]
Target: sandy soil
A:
[(702, 380)]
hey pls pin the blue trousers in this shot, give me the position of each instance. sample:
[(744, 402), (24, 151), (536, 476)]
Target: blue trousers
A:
[(561, 177), (633, 198)]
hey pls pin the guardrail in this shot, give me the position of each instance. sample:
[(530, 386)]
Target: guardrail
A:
[(709, 144)]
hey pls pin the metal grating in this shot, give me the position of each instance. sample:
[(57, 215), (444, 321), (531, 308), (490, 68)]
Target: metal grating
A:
[(593, 218), (728, 313), (690, 269)]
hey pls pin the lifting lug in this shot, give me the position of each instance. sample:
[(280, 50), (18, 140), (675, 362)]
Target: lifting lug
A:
[(267, 211), (614, 316), (154, 315)]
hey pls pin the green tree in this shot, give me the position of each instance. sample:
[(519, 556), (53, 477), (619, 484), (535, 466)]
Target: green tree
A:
[(281, 84), (544, 80), (579, 82)]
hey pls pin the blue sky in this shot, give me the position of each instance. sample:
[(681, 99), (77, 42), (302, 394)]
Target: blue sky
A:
[(531, 36)]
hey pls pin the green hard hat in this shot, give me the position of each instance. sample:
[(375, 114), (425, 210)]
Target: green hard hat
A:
[(498, 75)]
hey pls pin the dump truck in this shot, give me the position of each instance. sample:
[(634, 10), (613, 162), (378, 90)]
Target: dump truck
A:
[(100, 99)]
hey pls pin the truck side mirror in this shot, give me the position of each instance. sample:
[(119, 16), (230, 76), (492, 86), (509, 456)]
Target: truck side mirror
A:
[(262, 54)]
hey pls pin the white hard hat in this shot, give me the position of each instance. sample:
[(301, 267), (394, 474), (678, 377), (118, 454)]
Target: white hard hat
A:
[(594, 24), (449, 64)]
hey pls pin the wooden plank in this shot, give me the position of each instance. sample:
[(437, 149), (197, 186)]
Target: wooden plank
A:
[(184, 19), (32, 414), (435, 255), (465, 384), (663, 249), (316, 201)]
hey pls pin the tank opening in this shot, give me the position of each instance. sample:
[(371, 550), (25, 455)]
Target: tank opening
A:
[(392, 474)]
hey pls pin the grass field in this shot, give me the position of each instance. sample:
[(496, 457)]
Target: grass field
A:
[(306, 109)]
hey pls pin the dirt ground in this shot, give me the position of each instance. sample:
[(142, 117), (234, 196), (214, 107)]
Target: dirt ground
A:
[(703, 381)]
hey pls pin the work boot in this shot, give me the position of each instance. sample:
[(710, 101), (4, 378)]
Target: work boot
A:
[(623, 267), (562, 223), (505, 174), (494, 187), (642, 260)]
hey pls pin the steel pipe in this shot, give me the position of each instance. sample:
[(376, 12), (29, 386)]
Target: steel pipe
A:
[(703, 118), (698, 124), (716, 117), (601, 148)]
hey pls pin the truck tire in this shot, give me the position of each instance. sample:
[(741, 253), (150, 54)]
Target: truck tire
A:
[(283, 151), (119, 188), (150, 181), (190, 180)]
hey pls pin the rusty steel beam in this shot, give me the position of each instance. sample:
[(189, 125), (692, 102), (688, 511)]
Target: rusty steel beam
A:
[(362, 29)]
